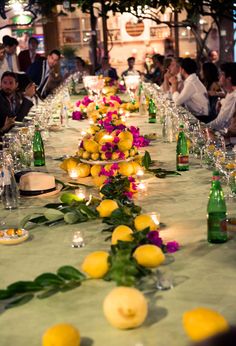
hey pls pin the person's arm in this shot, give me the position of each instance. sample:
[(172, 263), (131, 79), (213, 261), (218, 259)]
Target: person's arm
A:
[(9, 122), (183, 96), (225, 114)]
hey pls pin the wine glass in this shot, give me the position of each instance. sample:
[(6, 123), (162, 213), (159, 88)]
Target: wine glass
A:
[(132, 83)]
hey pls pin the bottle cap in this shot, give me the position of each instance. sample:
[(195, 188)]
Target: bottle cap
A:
[(216, 173)]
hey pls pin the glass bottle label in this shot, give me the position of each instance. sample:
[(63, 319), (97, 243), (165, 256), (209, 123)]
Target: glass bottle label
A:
[(182, 160)]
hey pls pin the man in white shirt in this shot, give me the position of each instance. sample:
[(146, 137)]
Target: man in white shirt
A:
[(194, 94), (228, 104)]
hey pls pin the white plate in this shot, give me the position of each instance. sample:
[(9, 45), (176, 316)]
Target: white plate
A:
[(12, 239), (91, 162)]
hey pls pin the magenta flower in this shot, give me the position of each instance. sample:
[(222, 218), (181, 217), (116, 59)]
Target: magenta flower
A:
[(115, 166), (116, 139), (78, 103), (128, 194), (116, 98), (108, 155), (131, 179), (172, 246), (121, 155), (154, 238), (86, 101), (77, 115)]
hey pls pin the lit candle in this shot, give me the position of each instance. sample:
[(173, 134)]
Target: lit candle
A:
[(123, 118), (155, 217), (127, 114), (83, 133), (80, 193), (142, 188), (73, 173), (91, 122), (78, 240), (140, 173)]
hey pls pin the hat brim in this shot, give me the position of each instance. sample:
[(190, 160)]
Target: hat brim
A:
[(47, 194)]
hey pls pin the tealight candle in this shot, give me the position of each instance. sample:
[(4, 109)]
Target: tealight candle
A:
[(127, 114), (142, 188), (83, 133), (80, 193), (140, 173), (73, 173), (123, 118), (155, 217), (91, 122), (78, 240)]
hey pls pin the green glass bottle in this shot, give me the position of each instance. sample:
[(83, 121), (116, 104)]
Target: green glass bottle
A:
[(38, 148), (152, 111), (216, 212), (182, 153)]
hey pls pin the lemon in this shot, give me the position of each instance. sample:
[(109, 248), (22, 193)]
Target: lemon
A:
[(98, 136), (61, 335), (115, 156), (143, 221), (126, 135), (95, 170), (125, 144), (201, 323), (69, 163), (136, 166), (95, 156), (96, 264), (90, 145), (83, 170), (86, 155), (126, 168), (106, 207), (149, 255), (99, 180), (125, 307), (123, 233)]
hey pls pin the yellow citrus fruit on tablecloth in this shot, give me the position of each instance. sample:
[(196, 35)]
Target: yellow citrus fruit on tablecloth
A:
[(83, 170), (123, 233), (143, 221), (126, 168), (201, 323), (69, 163), (99, 180), (106, 207), (96, 264), (61, 335), (149, 255), (125, 135), (90, 145), (95, 170), (125, 307), (125, 144), (136, 166)]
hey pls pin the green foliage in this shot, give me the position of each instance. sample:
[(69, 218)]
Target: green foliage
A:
[(43, 286)]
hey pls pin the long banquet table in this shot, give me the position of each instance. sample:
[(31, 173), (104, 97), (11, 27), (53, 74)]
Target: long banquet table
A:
[(204, 274)]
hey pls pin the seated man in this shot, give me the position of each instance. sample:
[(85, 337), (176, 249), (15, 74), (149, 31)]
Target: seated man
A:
[(130, 70), (13, 105), (106, 70), (228, 105), (28, 56), (194, 94), (44, 74)]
